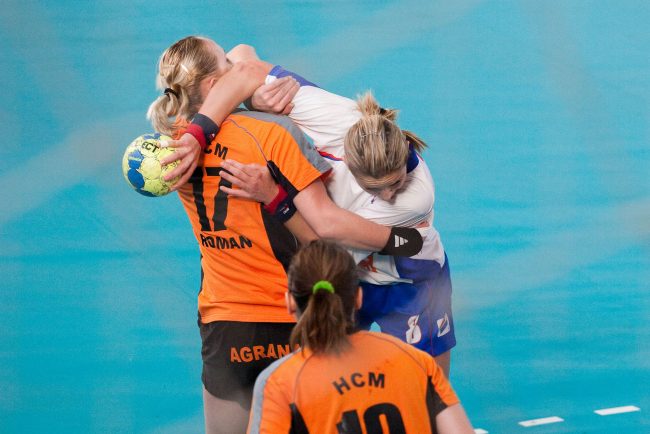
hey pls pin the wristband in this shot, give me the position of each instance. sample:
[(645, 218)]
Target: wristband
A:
[(203, 129), (403, 242), (281, 207), (272, 206)]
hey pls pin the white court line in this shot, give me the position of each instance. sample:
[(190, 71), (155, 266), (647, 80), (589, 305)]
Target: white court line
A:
[(542, 421), (617, 410), (480, 431)]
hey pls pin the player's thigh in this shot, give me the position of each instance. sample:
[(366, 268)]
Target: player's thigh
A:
[(222, 416)]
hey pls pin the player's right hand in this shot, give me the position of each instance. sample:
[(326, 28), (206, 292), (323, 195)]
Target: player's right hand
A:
[(254, 181), (187, 151), (276, 96)]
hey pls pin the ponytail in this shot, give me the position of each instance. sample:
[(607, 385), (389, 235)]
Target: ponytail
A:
[(369, 106), (417, 142), (324, 283), (375, 146), (181, 69), (322, 326), (162, 110)]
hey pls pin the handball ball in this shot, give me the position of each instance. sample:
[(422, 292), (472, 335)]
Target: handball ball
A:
[(141, 165)]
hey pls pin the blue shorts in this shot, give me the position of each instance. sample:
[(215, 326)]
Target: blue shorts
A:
[(418, 313)]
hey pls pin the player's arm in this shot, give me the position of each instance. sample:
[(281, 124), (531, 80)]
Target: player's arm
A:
[(334, 223), (241, 53), (450, 417), (453, 420), (327, 220), (301, 229), (273, 97), (324, 116), (260, 187), (316, 217), (228, 93)]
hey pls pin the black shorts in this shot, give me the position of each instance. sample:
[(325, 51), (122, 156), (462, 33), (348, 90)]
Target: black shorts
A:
[(234, 353)]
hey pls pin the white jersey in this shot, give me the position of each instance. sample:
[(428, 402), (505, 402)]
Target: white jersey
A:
[(326, 118)]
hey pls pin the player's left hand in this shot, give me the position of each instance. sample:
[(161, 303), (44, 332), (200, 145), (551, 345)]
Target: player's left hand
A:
[(276, 96), (187, 151), (254, 181)]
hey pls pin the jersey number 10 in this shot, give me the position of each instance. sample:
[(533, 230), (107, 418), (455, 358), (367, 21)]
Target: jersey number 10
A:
[(350, 423)]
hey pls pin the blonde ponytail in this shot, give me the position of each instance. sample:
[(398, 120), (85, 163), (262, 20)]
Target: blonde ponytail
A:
[(161, 111), (375, 146), (181, 69)]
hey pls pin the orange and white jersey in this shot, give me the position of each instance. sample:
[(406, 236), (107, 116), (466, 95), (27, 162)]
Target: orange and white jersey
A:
[(244, 250), (378, 384)]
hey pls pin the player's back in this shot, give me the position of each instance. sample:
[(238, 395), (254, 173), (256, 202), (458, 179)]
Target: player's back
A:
[(244, 250), (379, 384)]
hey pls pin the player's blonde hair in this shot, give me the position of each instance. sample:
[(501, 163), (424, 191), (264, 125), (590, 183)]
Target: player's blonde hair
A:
[(375, 146), (326, 318), (181, 69)]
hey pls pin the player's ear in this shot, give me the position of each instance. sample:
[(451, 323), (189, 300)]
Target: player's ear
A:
[(358, 302), (213, 81), (291, 303), (206, 84)]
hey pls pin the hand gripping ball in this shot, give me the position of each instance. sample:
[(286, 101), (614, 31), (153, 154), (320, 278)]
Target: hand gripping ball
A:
[(141, 165)]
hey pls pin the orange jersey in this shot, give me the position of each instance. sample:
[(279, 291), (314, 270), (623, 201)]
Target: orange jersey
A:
[(244, 250), (379, 384)]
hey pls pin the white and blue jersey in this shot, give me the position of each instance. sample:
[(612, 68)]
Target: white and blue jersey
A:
[(400, 294)]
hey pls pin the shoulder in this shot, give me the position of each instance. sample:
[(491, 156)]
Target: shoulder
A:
[(419, 193), (252, 116), (279, 125)]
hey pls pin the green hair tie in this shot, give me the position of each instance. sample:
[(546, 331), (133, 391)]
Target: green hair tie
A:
[(323, 284)]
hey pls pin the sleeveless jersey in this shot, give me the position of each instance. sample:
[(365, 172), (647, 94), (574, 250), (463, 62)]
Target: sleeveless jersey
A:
[(378, 382), (244, 250)]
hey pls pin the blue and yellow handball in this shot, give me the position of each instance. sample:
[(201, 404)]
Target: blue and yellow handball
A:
[(141, 165)]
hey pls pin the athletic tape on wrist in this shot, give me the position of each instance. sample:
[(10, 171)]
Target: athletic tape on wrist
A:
[(403, 242)]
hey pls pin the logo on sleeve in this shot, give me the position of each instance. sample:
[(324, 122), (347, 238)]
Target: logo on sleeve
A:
[(399, 241)]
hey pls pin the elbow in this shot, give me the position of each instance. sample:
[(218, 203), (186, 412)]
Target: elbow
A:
[(242, 52), (325, 232), (253, 71), (243, 47), (327, 224)]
